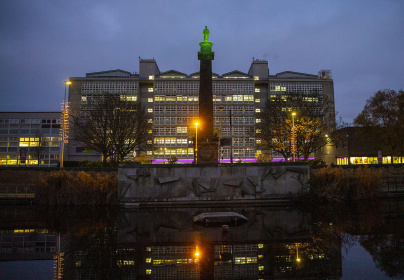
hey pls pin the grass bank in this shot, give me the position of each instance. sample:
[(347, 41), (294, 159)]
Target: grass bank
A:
[(77, 188)]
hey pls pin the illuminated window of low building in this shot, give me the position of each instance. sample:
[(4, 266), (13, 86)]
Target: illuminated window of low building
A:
[(150, 110), (151, 77), (150, 100), (257, 100), (181, 129), (256, 78), (257, 90), (257, 110), (150, 89), (258, 130)]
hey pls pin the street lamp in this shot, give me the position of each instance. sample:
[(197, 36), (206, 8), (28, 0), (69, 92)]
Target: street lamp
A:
[(64, 125), (196, 142), (293, 137)]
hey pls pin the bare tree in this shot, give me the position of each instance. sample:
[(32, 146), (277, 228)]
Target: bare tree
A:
[(113, 127), (313, 123), (40, 147)]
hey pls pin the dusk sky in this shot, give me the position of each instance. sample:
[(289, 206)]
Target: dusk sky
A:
[(43, 43)]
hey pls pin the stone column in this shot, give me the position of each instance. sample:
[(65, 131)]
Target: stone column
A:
[(207, 145)]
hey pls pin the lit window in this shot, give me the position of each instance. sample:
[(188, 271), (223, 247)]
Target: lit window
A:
[(258, 130), (150, 131), (150, 110), (150, 120), (150, 89), (149, 153), (148, 260), (257, 110), (149, 142), (258, 141), (257, 120), (257, 90), (260, 246), (256, 78), (249, 98), (150, 100), (261, 268), (257, 100), (148, 271), (151, 77), (84, 98), (182, 129), (148, 249)]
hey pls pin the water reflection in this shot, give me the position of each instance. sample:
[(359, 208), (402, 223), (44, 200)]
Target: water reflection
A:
[(161, 243)]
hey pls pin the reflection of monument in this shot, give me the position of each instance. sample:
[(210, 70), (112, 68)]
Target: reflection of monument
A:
[(207, 146)]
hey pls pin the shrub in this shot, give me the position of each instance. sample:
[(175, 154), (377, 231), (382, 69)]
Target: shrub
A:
[(172, 160), (337, 184), (77, 188)]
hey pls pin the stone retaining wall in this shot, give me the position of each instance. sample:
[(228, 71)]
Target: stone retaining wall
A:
[(159, 183)]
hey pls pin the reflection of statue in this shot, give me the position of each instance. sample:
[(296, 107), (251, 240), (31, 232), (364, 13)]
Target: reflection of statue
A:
[(206, 34)]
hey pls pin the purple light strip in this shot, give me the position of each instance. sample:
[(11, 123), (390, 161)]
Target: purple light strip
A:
[(226, 160)]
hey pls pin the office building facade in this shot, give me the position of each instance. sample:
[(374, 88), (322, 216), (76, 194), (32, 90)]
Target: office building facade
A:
[(171, 99), (26, 135)]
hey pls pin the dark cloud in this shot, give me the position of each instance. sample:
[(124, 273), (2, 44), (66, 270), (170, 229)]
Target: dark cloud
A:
[(43, 43)]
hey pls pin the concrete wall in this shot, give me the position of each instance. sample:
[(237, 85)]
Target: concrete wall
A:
[(150, 183)]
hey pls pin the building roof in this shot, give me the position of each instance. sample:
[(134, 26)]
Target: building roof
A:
[(294, 75), (172, 73), (109, 73), (235, 73)]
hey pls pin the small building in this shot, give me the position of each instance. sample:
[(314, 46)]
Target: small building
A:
[(30, 138), (354, 146)]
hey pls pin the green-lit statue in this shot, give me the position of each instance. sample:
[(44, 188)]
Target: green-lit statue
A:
[(206, 34)]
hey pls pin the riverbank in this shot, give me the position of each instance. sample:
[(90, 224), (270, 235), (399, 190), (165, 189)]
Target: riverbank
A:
[(98, 186)]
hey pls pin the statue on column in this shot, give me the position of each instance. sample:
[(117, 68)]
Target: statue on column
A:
[(206, 34)]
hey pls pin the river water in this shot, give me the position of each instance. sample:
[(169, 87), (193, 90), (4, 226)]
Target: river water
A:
[(323, 242)]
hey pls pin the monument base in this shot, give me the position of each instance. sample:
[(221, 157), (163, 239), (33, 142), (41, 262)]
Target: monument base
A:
[(207, 152)]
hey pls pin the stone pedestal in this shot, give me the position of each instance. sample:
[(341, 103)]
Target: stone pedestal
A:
[(207, 152)]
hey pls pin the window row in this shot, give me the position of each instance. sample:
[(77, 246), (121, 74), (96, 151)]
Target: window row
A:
[(176, 87), (238, 98), (109, 87), (176, 99), (174, 120)]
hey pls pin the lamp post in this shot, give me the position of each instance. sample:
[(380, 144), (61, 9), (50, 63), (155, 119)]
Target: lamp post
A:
[(64, 126), (196, 142), (293, 137), (220, 134)]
